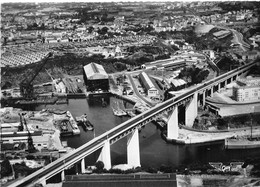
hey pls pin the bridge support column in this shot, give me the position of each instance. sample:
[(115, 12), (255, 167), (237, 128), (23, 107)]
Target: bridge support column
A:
[(63, 175), (219, 87), (105, 155), (191, 111), (83, 167), (225, 83), (211, 91), (203, 98), (173, 124), (133, 150), (42, 181)]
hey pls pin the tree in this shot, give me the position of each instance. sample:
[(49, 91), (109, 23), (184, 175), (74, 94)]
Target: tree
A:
[(42, 26), (6, 168), (90, 29), (120, 66), (35, 25), (103, 30), (99, 165)]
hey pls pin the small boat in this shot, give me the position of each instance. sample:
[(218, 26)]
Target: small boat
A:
[(117, 110), (85, 123), (131, 114), (242, 143), (64, 127)]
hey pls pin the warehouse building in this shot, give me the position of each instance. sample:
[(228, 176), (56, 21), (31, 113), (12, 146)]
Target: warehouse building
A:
[(148, 85), (95, 78)]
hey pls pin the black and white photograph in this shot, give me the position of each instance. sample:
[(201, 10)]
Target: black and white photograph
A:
[(110, 93)]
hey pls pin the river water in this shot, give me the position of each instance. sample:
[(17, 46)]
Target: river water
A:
[(154, 151)]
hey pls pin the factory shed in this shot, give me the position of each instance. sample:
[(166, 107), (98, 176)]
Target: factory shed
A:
[(147, 83), (177, 82), (95, 77)]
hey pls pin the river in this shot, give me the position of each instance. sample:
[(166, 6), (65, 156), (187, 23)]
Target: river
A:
[(154, 151)]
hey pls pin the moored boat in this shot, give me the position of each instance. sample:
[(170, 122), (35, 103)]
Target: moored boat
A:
[(118, 112), (73, 124), (85, 123), (131, 114), (66, 124)]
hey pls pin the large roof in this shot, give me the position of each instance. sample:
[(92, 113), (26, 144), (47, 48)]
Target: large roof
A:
[(203, 29), (177, 82), (95, 71), (147, 81)]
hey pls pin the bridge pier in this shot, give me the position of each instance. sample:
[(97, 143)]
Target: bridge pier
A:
[(62, 175), (133, 149), (211, 91), (42, 181), (173, 124), (219, 87), (203, 98), (105, 155), (83, 167), (191, 111)]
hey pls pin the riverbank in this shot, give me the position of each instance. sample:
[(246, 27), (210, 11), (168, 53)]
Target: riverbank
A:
[(216, 180), (205, 180), (193, 136)]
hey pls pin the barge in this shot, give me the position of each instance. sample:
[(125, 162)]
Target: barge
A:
[(66, 124), (85, 123)]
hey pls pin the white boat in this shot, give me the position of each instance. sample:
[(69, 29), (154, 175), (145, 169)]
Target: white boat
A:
[(75, 128), (131, 113), (117, 111)]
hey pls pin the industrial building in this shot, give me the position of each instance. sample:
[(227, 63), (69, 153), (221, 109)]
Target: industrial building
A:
[(96, 78), (148, 85)]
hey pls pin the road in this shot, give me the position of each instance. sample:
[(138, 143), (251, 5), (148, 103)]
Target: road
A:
[(137, 92), (238, 38)]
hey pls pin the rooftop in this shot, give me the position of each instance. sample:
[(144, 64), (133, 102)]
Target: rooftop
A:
[(95, 71)]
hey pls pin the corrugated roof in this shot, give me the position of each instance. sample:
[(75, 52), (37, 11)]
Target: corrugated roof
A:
[(95, 71), (147, 80), (177, 82)]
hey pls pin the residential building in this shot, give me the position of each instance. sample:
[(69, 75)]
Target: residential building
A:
[(250, 55), (247, 89)]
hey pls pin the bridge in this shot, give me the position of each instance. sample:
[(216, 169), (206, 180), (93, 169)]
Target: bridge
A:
[(131, 127)]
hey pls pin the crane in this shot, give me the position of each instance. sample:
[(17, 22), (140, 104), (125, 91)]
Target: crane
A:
[(20, 127), (31, 148), (26, 87)]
